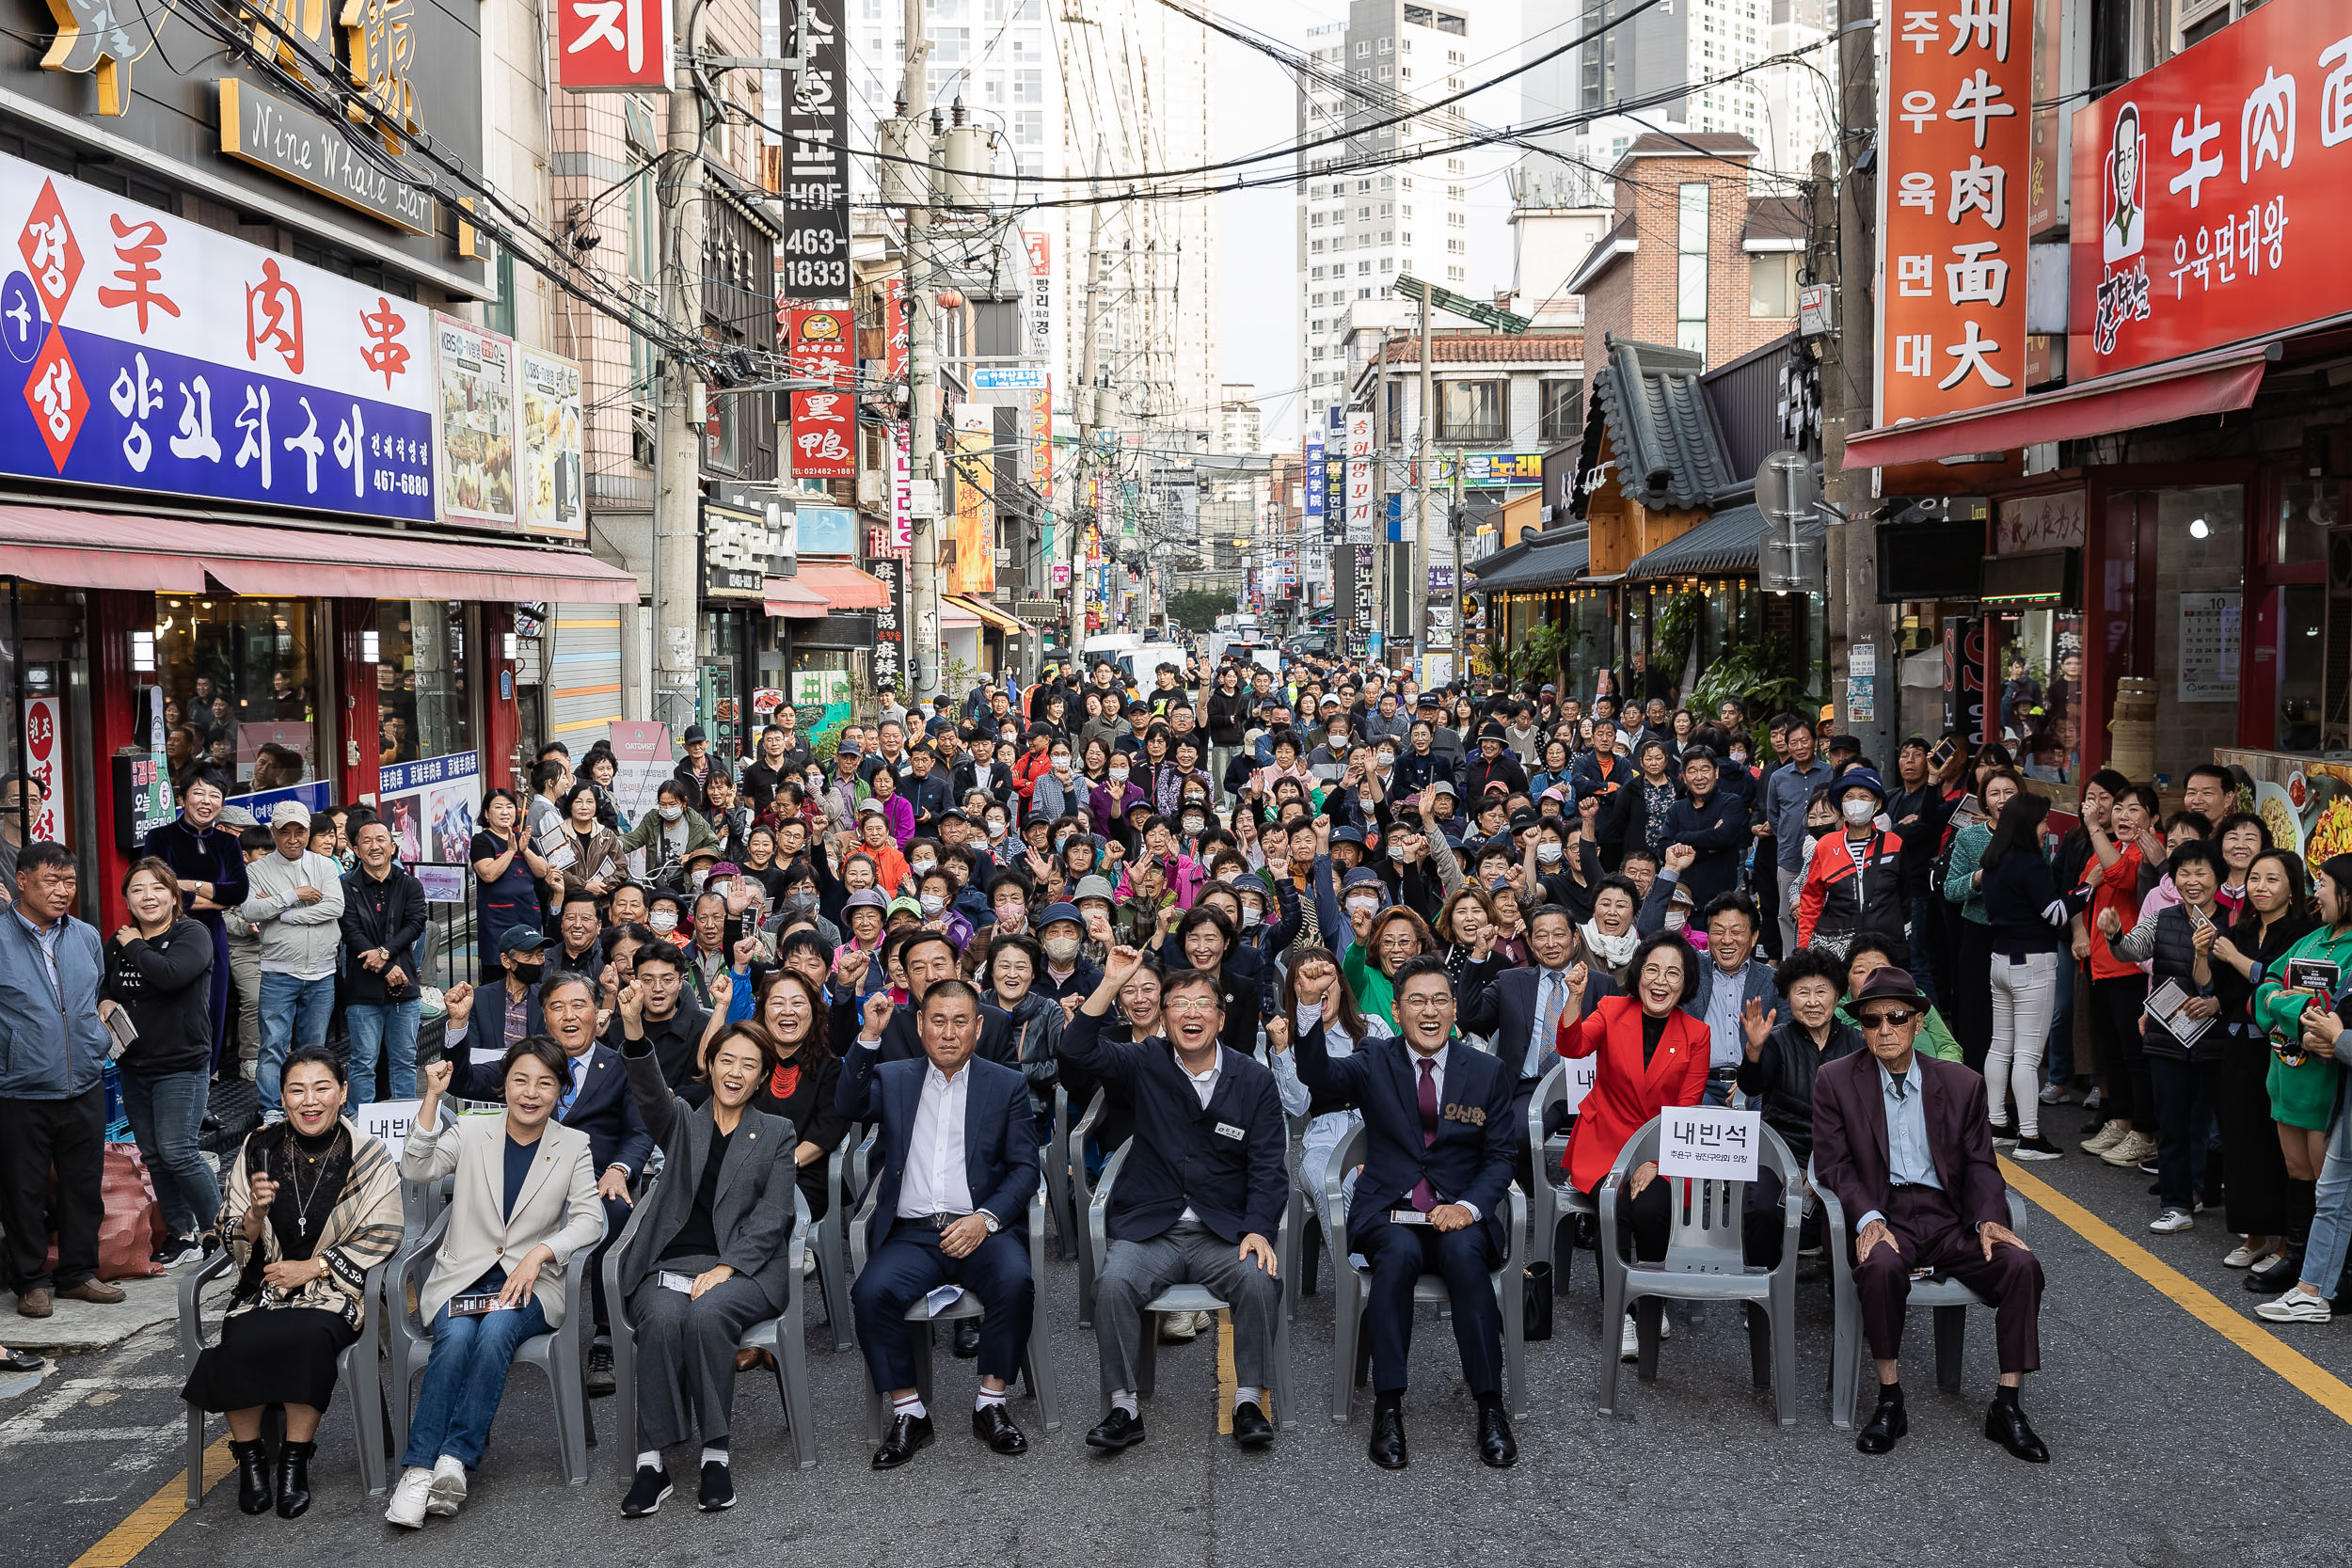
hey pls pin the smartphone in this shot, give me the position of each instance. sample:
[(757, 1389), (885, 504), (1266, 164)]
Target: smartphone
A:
[(1944, 753)]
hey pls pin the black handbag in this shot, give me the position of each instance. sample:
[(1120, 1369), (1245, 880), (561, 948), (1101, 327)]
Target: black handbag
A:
[(1536, 1287)]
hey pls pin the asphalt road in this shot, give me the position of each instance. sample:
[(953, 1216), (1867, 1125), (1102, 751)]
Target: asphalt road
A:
[(2173, 1445)]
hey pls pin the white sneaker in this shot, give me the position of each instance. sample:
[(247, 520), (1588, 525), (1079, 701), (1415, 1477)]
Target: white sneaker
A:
[(2055, 1094), (1630, 1341), (2294, 1307), (2109, 1134), (2135, 1150), (408, 1499), (2171, 1222), (449, 1486)]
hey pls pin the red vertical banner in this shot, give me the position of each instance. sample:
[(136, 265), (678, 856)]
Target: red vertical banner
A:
[(824, 423), (895, 328), (1954, 198)]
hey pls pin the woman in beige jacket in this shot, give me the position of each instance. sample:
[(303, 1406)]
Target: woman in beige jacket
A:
[(523, 1202)]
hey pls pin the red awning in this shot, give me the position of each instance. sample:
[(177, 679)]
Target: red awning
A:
[(844, 587), (789, 599), (2217, 383), (175, 555)]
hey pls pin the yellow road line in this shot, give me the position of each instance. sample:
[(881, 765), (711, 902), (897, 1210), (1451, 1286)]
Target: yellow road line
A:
[(1225, 1384), (2323, 1387), (153, 1518)]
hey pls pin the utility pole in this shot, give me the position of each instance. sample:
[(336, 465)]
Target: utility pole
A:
[(1849, 401), (677, 458), (1458, 516), (1084, 403), (922, 369), (1417, 590)]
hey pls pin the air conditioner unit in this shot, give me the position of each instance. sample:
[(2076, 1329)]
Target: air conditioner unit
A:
[(1002, 558)]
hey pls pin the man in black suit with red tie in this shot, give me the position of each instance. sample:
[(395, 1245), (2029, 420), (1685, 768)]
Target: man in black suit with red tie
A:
[(1903, 1141), (1433, 1196)]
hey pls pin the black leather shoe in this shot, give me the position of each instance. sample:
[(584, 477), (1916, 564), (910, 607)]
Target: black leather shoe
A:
[(967, 1338), (993, 1424), (253, 1486), (1496, 1447), (294, 1479), (1120, 1430), (1386, 1448), (1251, 1429), (716, 1493), (2006, 1424), (908, 1434), (2274, 1277), (1887, 1426)]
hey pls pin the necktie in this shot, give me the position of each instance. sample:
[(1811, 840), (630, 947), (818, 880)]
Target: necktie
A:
[(1424, 1199), (1547, 1025), (563, 1107)]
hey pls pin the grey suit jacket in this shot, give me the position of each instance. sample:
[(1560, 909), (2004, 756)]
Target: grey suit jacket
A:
[(558, 1206), (753, 1213)]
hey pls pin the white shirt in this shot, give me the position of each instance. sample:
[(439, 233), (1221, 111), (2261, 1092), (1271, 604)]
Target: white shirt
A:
[(1204, 1084), (935, 1182)]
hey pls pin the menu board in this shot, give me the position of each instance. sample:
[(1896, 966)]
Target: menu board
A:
[(475, 407), (2209, 646)]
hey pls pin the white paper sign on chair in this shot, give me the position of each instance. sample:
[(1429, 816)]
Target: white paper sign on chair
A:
[(1709, 1143), (1579, 1082), (390, 1121)]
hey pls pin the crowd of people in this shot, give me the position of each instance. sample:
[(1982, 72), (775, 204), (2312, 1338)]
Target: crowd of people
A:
[(1217, 901)]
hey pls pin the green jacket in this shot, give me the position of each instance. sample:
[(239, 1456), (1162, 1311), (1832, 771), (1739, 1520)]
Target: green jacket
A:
[(1935, 1038), (1373, 994)]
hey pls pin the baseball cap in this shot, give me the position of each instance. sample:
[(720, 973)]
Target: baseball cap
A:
[(695, 732), (290, 813), (1067, 911), (521, 938), (903, 905)]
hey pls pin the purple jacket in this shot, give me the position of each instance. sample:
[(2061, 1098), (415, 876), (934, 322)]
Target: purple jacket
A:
[(900, 813), (1105, 812)]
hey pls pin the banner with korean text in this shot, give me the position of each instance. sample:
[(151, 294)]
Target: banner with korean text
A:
[(142, 351), (1952, 204), (613, 45), (2209, 195)]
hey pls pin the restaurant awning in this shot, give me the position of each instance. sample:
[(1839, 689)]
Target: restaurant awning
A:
[(789, 601), (1547, 565), (844, 587), (986, 612), (2220, 382), (1726, 545), (177, 555)]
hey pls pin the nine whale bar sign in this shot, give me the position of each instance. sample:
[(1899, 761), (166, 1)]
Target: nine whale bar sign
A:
[(264, 130)]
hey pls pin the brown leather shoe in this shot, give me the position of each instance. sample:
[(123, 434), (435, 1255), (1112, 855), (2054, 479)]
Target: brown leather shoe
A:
[(35, 1303), (96, 1291)]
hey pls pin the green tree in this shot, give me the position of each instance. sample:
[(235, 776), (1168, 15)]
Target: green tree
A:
[(1196, 609)]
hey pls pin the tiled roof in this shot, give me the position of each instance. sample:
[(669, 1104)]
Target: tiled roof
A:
[(1775, 217), (1727, 545), (1669, 454), (1549, 562), (1488, 348)]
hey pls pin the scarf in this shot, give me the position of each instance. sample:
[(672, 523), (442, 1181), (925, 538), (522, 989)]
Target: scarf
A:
[(1612, 951), (361, 1231)]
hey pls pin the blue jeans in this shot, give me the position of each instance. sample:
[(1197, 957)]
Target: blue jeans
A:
[(465, 1382), (166, 1112), (2332, 1217), (392, 1026), (295, 1011), (2061, 1053)]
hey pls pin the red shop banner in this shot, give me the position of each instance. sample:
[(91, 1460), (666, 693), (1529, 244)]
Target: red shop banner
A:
[(613, 45), (1953, 205), (2209, 195), (894, 329), (824, 423)]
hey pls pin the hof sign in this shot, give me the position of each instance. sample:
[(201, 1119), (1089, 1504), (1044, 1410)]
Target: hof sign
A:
[(813, 260), (1709, 1143)]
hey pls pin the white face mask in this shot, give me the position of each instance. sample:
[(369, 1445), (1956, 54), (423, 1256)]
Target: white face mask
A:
[(1388, 759), (1061, 766), (1739, 755), (1363, 906), (997, 829), (920, 866), (1061, 950), (670, 813), (1119, 775), (1194, 825), (664, 921), (1859, 812), (1250, 916), (1548, 853), (933, 903), (1677, 920), (700, 877)]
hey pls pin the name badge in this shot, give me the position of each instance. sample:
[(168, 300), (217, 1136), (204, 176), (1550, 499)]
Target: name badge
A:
[(1226, 1129), (1475, 1116)]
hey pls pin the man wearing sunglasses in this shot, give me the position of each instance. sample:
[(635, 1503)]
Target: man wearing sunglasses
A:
[(1904, 1142)]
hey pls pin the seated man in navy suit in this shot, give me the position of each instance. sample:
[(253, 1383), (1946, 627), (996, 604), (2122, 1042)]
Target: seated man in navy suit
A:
[(1201, 1194), (1433, 1196), (596, 1101), (959, 1169)]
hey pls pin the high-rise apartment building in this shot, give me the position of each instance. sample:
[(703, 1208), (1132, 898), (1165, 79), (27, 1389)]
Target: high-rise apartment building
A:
[(1362, 217)]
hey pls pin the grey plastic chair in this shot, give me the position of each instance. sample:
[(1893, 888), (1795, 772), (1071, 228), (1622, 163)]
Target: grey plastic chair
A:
[(781, 1337), (1196, 1298), (1555, 1198), (1704, 1262), (355, 1368), (1299, 1269), (1082, 1195), (422, 1202), (919, 1318), (829, 1240), (1849, 1351), (561, 1354), (1352, 1285), (1056, 1160)]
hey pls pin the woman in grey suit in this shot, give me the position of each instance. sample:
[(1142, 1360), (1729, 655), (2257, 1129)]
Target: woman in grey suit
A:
[(709, 1258), (524, 1201)]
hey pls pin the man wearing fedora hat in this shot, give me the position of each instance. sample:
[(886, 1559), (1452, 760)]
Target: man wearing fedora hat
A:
[(1904, 1142)]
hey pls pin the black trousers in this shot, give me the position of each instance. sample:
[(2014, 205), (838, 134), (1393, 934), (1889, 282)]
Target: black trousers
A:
[(1649, 1217), (1399, 1256), (2128, 1087), (37, 1137), (1969, 1010)]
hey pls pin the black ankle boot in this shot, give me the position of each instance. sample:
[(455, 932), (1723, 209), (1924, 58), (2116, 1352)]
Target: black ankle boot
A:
[(294, 1479), (253, 1490), (2289, 1268)]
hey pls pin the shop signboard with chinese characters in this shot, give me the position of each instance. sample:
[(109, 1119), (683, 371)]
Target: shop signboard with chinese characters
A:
[(1312, 484), (613, 45), (2209, 195), (824, 423), (1952, 207), (474, 388), (813, 257), (141, 350), (431, 805), (890, 624), (553, 501)]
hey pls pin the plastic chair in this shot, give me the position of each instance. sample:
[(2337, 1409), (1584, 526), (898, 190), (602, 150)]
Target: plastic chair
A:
[(1058, 1177), (561, 1354), (1195, 1298), (1353, 1286), (780, 1336), (919, 1318), (1555, 1196), (1299, 1269), (355, 1368), (1082, 1195), (829, 1239), (1849, 1351), (1704, 1262)]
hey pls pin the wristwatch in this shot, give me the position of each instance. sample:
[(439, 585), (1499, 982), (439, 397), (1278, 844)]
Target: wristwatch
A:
[(991, 1221)]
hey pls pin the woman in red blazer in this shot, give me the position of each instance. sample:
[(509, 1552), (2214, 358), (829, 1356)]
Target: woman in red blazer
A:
[(1652, 1054)]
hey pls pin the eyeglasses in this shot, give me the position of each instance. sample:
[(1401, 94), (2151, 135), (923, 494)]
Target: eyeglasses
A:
[(1428, 1001), (1893, 1019), (1194, 1005)]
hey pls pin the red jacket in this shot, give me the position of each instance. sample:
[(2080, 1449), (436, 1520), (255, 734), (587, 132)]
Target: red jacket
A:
[(1625, 1094), (1028, 769)]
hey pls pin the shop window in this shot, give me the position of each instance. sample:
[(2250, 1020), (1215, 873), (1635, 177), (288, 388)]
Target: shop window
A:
[(2038, 667), (2302, 617), (2307, 509), (423, 700), (246, 673)]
